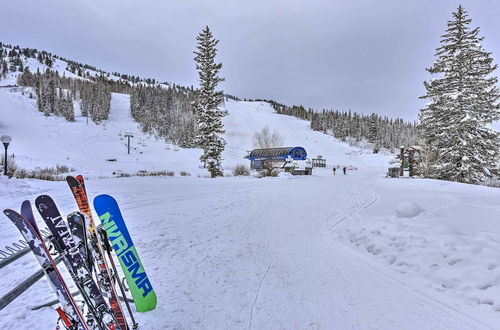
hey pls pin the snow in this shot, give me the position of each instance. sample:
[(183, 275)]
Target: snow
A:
[(304, 252), (407, 210)]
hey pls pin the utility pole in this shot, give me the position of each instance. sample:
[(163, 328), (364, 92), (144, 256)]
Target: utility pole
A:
[(128, 136)]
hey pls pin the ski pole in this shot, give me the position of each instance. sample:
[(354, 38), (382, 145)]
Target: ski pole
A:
[(107, 247)]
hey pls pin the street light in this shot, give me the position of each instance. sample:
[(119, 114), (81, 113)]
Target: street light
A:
[(5, 140)]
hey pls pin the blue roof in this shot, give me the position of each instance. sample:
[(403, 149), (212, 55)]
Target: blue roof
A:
[(277, 153)]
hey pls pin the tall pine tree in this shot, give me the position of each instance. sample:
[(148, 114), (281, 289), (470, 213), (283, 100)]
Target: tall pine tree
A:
[(208, 113), (463, 101)]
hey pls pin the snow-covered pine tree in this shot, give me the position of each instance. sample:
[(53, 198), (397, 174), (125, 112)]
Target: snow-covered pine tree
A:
[(208, 113), (463, 100), (373, 133)]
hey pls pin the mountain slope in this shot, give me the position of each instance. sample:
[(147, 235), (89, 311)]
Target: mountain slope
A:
[(40, 141)]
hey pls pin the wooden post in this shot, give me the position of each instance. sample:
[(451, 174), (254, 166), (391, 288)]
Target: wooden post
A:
[(410, 161)]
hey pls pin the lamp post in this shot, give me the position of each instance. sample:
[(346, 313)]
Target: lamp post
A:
[(6, 141)]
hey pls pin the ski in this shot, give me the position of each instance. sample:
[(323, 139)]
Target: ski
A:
[(76, 223), (28, 228), (117, 232), (107, 248), (103, 272), (65, 246)]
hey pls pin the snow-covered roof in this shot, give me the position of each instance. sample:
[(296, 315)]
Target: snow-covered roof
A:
[(283, 151)]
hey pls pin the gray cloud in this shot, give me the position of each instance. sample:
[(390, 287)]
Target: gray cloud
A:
[(364, 55)]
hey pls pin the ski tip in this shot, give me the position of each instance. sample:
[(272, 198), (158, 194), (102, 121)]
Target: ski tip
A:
[(43, 202), (8, 211), (73, 182), (70, 178), (42, 198), (27, 211), (25, 205)]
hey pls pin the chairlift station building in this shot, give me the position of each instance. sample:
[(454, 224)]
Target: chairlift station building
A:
[(291, 159)]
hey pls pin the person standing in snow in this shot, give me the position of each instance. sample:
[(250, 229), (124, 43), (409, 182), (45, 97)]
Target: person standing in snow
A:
[(344, 169), (334, 169)]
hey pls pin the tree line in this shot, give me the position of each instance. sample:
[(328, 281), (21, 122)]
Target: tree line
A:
[(11, 60), (165, 112), (379, 131), (55, 95)]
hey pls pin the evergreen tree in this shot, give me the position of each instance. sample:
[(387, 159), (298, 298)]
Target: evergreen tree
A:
[(208, 114), (373, 133), (463, 102)]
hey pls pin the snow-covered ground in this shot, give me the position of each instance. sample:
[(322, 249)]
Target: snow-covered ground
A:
[(295, 253), (320, 252)]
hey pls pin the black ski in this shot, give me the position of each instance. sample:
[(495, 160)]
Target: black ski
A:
[(77, 225), (73, 318), (64, 244)]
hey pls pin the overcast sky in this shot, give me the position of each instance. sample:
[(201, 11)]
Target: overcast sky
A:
[(364, 55)]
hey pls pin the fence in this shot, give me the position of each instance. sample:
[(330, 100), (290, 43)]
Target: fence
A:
[(15, 251), (10, 254)]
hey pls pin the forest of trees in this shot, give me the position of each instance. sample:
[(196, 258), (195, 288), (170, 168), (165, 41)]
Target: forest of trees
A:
[(163, 110), (166, 112), (11, 61), (55, 95), (382, 132), (379, 131)]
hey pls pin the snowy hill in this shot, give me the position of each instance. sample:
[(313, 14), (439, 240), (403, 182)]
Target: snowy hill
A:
[(103, 150), (83, 145), (14, 59)]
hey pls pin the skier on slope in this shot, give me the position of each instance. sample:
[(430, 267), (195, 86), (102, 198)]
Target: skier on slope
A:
[(344, 169), (334, 169)]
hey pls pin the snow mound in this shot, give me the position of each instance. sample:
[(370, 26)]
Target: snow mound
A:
[(285, 175), (408, 210)]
